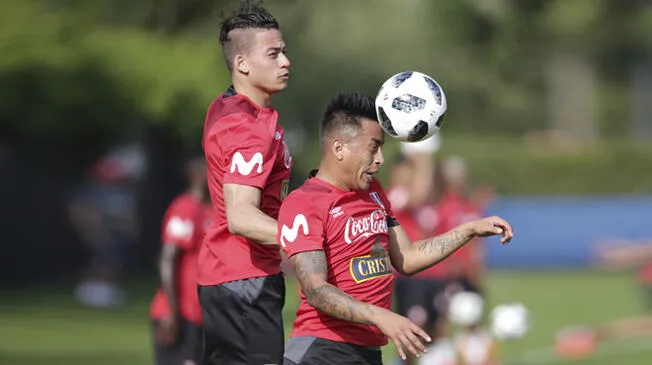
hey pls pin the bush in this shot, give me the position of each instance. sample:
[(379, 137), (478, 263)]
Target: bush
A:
[(61, 76)]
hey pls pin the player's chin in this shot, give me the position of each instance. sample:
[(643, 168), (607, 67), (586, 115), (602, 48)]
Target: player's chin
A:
[(282, 84), (277, 87), (364, 182)]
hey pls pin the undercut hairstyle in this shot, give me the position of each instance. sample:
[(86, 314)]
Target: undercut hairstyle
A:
[(344, 114), (250, 15)]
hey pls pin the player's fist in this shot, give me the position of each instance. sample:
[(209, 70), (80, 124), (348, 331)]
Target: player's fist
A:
[(492, 226), (405, 335)]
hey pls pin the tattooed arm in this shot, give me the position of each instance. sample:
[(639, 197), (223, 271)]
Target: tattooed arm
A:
[(311, 270), (410, 258)]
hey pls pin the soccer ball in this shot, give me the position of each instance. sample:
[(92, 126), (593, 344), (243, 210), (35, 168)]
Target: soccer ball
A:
[(410, 106), (510, 321), (465, 308)]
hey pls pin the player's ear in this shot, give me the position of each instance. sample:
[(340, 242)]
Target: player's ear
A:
[(240, 64), (338, 149)]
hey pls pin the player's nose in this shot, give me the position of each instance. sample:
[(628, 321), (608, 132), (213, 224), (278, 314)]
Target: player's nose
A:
[(379, 158), (284, 61)]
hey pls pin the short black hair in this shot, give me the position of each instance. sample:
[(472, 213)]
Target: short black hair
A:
[(250, 15), (345, 112)]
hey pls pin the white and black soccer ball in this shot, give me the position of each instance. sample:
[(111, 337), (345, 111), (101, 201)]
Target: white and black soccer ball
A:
[(510, 321), (411, 106)]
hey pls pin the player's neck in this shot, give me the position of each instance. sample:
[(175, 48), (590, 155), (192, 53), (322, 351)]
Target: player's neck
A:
[(254, 94), (324, 174), (454, 191), (197, 194)]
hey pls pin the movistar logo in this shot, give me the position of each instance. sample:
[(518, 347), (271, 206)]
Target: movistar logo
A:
[(245, 167), (290, 234)]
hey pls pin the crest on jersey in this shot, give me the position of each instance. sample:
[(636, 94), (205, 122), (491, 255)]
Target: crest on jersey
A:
[(376, 198), (285, 189), (287, 157)]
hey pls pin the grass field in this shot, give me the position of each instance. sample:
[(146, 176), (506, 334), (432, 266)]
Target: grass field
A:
[(52, 329)]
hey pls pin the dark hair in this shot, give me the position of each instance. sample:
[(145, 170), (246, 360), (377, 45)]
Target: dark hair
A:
[(345, 112), (250, 15)]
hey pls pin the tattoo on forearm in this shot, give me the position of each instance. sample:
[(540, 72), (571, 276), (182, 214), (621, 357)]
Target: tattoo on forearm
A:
[(338, 304), (444, 244), (324, 296)]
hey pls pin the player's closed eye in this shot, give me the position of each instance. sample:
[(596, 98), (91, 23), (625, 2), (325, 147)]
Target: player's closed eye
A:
[(375, 147), (275, 53)]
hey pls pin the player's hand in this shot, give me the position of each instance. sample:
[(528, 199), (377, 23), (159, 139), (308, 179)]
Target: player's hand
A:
[(167, 331), (492, 226), (405, 335)]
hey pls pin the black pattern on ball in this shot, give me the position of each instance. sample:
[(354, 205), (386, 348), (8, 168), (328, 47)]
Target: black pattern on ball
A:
[(436, 90), (418, 132), (400, 78), (385, 122), (408, 103)]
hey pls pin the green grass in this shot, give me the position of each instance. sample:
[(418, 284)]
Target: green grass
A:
[(51, 328)]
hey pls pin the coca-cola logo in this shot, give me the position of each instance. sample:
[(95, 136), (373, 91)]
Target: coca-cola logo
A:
[(374, 223)]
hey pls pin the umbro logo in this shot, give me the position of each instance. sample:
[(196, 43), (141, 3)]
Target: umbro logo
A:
[(336, 212)]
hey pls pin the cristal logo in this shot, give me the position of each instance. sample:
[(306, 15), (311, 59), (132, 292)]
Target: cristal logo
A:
[(355, 229), (245, 167), (290, 234)]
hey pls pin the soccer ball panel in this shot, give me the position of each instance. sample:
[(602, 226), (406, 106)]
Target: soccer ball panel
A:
[(411, 106)]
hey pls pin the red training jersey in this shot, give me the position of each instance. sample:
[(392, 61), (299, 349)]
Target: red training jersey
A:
[(405, 217), (454, 210), (351, 227), (428, 217), (183, 226), (243, 144)]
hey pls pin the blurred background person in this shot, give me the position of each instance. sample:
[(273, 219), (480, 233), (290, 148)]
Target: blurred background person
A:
[(430, 198), (459, 203), (103, 210), (412, 189), (175, 309), (454, 207)]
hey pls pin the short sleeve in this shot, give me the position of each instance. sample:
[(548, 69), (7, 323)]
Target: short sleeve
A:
[(300, 226), (247, 154), (179, 226)]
